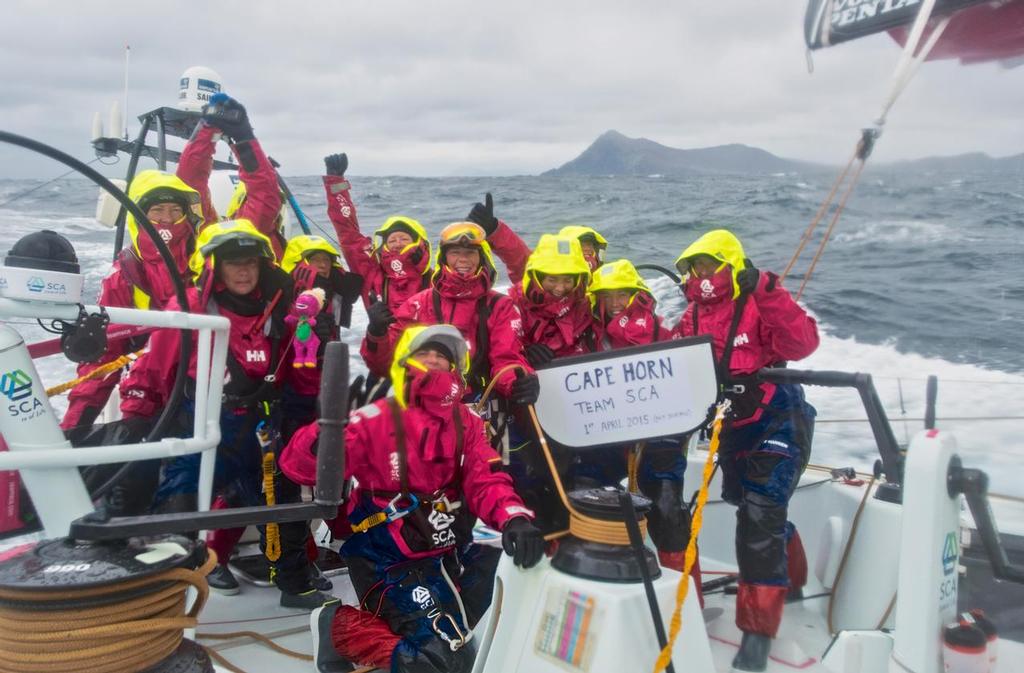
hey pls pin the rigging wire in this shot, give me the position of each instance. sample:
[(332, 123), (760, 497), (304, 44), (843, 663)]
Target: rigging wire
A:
[(26, 192)]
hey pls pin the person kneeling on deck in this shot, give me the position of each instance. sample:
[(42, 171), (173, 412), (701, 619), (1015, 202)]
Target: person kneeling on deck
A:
[(766, 440), (421, 463)]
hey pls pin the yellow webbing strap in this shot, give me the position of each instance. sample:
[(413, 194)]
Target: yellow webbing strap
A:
[(691, 548), (102, 370), (369, 522), (273, 532)]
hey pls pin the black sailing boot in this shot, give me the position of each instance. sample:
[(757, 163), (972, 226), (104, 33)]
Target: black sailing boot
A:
[(753, 654)]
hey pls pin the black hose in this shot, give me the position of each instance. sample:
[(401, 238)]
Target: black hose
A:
[(133, 163), (185, 352), (657, 267)]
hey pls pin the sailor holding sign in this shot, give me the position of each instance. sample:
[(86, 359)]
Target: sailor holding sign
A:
[(766, 442)]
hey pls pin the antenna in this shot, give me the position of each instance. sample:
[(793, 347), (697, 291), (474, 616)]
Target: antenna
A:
[(127, 55)]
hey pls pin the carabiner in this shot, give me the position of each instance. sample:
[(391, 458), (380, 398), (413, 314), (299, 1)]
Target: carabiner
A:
[(453, 643), (395, 512)]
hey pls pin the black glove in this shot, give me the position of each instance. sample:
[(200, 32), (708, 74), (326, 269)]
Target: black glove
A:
[(748, 277), (484, 214), (304, 275), (380, 318), (523, 542), (538, 354), (336, 164), (526, 388), (228, 115)]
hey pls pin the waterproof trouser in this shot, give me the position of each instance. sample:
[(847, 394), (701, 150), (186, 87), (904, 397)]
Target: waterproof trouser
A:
[(761, 465), (238, 482), (413, 612)]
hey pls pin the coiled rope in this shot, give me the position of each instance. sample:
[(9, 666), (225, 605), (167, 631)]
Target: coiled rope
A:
[(580, 525), (676, 623), (125, 627)]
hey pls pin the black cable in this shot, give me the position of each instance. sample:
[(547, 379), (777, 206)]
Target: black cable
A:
[(185, 352)]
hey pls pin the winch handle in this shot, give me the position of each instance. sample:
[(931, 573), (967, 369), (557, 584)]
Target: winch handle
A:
[(973, 484)]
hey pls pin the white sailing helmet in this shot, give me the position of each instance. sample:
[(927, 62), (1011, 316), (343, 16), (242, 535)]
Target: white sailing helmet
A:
[(197, 84)]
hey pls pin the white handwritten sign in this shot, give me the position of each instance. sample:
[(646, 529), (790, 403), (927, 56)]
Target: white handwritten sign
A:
[(629, 394)]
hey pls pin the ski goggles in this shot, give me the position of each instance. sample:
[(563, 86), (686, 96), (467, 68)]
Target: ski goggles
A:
[(463, 233)]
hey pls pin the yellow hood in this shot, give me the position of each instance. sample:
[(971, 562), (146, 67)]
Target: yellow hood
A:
[(149, 181), (556, 255), (381, 234), (618, 275), (219, 233), (721, 244), (300, 247), (412, 340), (238, 198), (579, 230)]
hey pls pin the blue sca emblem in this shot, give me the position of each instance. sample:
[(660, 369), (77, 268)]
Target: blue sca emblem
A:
[(950, 554), (16, 385), (35, 284)]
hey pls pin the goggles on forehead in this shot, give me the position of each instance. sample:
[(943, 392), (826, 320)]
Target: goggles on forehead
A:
[(463, 233)]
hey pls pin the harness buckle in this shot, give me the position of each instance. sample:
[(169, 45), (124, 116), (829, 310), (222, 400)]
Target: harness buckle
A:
[(734, 389), (394, 512), (443, 504), (460, 639)]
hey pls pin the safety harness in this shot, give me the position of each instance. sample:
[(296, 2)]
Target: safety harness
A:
[(419, 507)]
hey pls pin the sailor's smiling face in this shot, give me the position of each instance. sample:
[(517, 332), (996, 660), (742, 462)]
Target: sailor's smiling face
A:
[(165, 214), (397, 241), (463, 259)]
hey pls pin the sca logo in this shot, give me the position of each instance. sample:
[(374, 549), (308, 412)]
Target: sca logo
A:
[(16, 386), (950, 554), (35, 284)]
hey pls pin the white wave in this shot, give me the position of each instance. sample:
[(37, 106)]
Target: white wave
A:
[(900, 231)]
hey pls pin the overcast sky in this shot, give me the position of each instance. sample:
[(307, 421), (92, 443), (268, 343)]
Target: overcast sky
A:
[(478, 88)]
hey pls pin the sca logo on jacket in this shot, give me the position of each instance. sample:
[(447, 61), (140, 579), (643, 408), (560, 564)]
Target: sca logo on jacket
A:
[(442, 521)]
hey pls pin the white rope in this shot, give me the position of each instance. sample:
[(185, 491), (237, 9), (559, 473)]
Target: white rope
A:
[(911, 58)]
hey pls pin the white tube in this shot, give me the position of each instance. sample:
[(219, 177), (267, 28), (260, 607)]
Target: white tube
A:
[(30, 428), (215, 389), (49, 456), (97, 127)]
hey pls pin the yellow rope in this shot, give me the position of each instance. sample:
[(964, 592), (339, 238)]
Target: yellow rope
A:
[(273, 531), (102, 370), (691, 548)]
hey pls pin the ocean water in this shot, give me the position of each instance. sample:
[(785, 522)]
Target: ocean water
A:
[(923, 275)]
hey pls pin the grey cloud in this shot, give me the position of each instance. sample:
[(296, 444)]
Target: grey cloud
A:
[(455, 86)]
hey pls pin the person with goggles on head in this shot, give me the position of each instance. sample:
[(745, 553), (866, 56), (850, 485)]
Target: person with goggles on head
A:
[(462, 295), (257, 197), (422, 470), (766, 440), (395, 263), (236, 276)]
